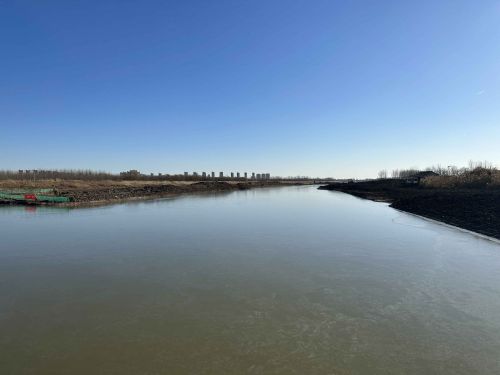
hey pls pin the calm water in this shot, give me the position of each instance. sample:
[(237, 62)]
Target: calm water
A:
[(269, 281)]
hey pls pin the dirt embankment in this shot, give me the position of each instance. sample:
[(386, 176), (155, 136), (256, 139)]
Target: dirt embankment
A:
[(112, 193), (477, 210), (83, 192)]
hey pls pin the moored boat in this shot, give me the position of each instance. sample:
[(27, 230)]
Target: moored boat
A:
[(32, 196)]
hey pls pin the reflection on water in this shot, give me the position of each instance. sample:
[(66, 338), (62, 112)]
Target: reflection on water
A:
[(267, 281)]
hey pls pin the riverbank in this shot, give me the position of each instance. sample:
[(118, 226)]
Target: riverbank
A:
[(477, 210), (88, 193)]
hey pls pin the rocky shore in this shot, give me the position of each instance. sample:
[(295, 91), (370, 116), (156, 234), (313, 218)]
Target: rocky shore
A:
[(477, 210)]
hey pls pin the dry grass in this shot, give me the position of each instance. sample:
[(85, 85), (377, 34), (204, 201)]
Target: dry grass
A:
[(61, 184), (476, 178), (81, 184)]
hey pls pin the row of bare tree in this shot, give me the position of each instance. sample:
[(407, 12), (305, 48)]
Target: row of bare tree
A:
[(63, 174), (450, 170), (89, 175)]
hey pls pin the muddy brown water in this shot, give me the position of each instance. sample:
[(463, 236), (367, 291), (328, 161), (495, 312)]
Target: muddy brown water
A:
[(268, 281)]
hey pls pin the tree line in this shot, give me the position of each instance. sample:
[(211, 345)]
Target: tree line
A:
[(451, 170)]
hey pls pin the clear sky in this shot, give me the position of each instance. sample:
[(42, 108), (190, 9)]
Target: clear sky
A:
[(290, 87)]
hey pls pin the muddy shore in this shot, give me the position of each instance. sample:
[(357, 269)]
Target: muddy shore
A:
[(477, 210), (89, 193)]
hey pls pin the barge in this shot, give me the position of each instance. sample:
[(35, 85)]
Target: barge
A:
[(33, 196)]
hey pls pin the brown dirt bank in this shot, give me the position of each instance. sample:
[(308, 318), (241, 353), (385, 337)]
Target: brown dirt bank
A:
[(84, 193), (121, 193), (477, 210)]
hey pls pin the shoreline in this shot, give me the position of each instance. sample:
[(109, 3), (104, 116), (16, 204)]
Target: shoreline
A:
[(475, 234), (473, 210), (102, 193)]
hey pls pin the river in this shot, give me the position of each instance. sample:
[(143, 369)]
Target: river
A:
[(288, 280)]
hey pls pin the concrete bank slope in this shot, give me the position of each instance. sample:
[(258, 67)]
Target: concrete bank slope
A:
[(477, 210)]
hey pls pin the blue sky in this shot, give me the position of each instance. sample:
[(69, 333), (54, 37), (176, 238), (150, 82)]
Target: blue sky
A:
[(319, 88)]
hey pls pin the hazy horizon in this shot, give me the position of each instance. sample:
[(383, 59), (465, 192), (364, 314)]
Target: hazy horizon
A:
[(330, 89)]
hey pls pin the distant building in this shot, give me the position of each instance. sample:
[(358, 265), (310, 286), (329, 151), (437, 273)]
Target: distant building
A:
[(253, 175), (213, 174), (232, 175), (221, 174), (245, 175), (237, 174), (186, 174)]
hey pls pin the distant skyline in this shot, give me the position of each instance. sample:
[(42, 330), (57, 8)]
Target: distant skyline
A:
[(319, 88)]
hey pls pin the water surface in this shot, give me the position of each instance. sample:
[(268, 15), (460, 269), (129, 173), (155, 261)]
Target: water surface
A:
[(267, 281)]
